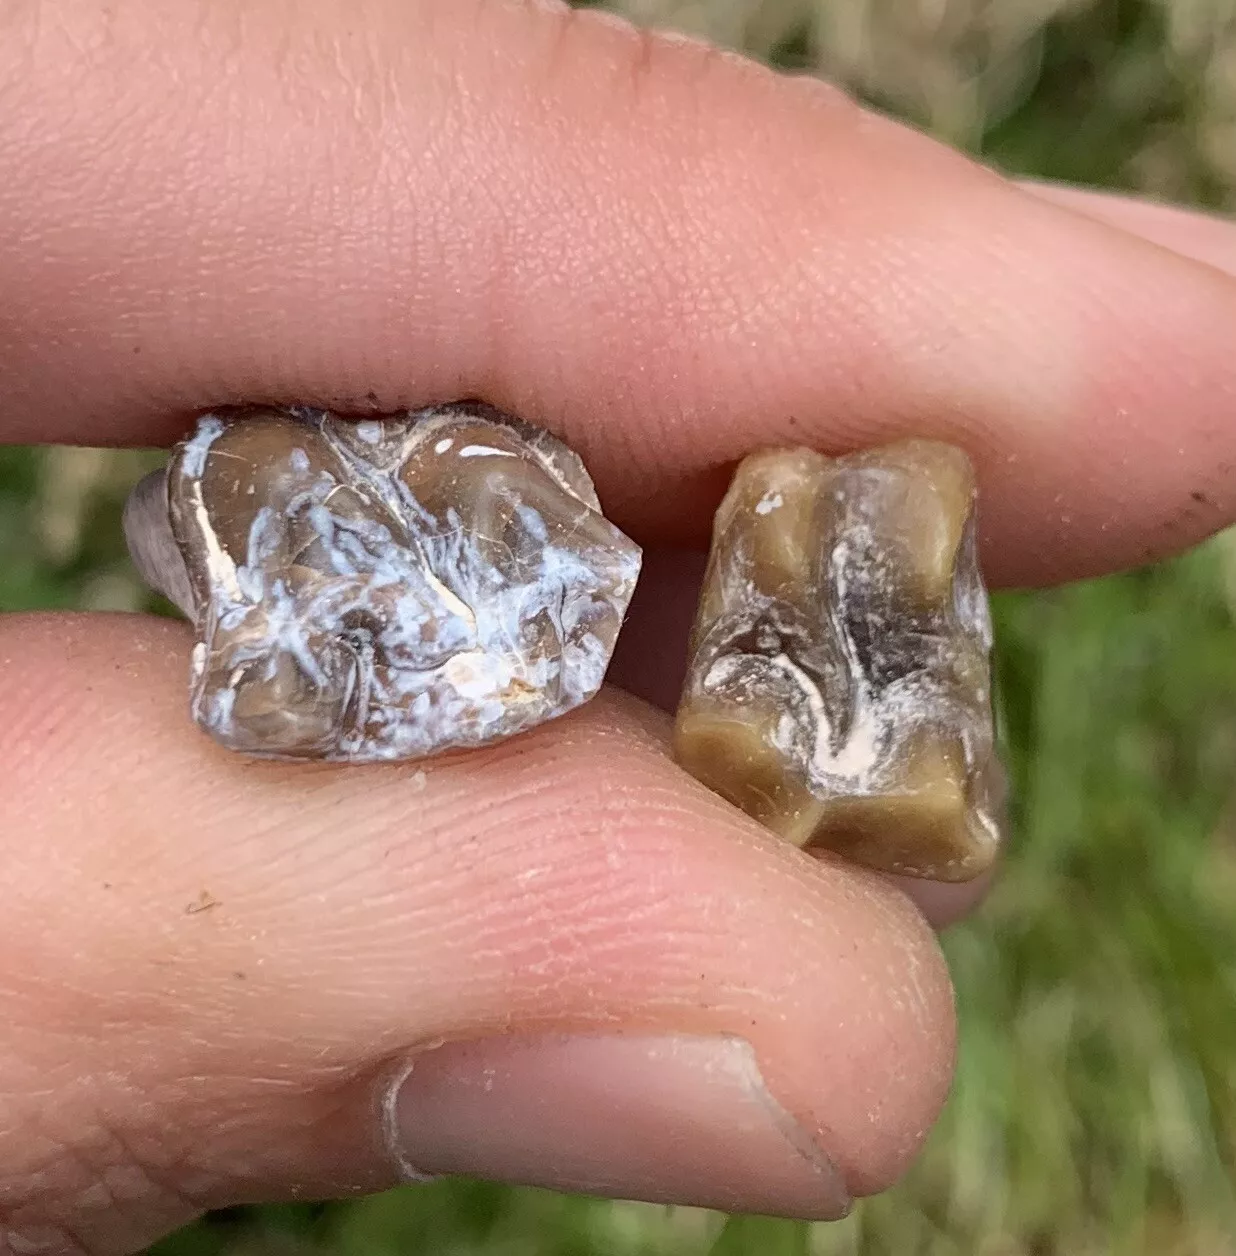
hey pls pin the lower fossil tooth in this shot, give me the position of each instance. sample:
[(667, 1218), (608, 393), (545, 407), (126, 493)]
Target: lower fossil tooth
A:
[(382, 589), (839, 683)]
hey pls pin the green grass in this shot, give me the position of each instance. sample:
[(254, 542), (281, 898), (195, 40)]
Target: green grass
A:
[(1095, 1103)]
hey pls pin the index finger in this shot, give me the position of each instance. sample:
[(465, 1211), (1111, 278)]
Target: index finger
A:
[(669, 256)]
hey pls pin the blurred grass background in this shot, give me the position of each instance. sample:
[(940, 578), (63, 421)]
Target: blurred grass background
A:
[(1095, 1106)]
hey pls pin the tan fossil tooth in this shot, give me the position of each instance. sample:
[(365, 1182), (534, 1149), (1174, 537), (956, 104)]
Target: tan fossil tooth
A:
[(839, 685), (385, 588)]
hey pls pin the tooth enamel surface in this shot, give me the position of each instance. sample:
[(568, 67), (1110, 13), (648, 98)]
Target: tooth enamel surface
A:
[(383, 589)]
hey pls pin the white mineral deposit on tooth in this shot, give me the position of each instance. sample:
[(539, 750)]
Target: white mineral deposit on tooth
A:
[(383, 589)]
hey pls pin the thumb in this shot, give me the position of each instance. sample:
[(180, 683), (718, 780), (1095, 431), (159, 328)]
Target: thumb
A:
[(557, 961)]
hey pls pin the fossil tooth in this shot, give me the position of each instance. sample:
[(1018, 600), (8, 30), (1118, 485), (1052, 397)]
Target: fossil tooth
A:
[(839, 684), (382, 589)]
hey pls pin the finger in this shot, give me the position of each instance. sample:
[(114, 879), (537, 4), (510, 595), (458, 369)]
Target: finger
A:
[(1207, 238), (668, 255), (214, 970)]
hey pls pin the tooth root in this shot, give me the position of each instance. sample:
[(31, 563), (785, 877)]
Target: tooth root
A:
[(738, 759), (923, 827)]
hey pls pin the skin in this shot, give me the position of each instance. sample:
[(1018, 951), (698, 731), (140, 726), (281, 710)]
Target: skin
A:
[(669, 256)]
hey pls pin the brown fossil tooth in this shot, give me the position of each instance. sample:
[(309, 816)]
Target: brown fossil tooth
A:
[(839, 684), (382, 589)]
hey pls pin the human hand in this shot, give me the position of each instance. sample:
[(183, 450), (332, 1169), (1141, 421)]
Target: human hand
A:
[(215, 971)]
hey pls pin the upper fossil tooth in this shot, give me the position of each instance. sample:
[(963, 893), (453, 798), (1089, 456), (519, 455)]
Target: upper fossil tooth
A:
[(386, 588)]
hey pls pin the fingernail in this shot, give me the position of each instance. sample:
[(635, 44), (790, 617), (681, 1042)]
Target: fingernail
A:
[(678, 1120)]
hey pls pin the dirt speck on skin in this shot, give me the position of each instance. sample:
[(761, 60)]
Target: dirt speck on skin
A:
[(205, 901)]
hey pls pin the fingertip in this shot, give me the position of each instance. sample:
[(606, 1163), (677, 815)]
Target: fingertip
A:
[(908, 1035)]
